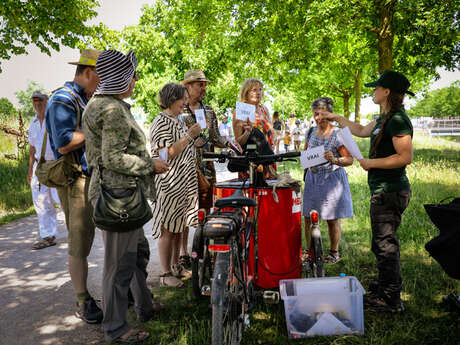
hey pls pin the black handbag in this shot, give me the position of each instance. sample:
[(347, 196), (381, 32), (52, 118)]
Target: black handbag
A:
[(444, 248), (121, 212), (258, 139)]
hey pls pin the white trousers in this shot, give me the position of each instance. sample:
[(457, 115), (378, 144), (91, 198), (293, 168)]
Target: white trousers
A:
[(44, 199)]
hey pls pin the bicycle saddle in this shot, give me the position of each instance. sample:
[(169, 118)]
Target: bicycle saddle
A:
[(235, 200)]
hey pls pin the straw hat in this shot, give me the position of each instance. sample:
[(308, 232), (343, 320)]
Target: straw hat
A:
[(88, 57), (194, 75)]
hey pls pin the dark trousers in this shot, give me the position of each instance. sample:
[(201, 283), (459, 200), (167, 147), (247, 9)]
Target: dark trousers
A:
[(386, 211)]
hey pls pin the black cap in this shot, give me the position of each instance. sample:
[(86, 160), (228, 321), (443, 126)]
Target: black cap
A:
[(394, 81)]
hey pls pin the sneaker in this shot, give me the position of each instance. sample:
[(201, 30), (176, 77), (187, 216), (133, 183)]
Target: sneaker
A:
[(89, 312), (377, 303)]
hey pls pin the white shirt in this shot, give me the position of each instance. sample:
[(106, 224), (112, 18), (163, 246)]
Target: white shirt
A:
[(36, 133), (296, 131)]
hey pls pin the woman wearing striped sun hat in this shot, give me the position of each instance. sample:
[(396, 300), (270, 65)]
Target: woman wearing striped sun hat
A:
[(116, 153)]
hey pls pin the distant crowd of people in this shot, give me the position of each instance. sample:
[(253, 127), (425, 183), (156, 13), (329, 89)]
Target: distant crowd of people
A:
[(90, 119)]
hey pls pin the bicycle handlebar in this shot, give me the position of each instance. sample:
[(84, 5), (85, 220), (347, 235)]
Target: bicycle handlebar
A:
[(256, 158)]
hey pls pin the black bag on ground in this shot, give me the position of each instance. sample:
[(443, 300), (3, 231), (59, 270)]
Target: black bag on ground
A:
[(445, 248), (123, 212), (258, 139)]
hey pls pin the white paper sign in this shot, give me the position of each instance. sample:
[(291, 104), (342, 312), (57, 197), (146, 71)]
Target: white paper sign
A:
[(350, 143), (245, 111), (200, 118), (312, 157), (163, 153)]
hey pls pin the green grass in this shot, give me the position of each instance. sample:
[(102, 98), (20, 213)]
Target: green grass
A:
[(15, 194), (434, 175)]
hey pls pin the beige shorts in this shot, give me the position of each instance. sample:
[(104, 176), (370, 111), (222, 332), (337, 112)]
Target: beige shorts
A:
[(78, 217)]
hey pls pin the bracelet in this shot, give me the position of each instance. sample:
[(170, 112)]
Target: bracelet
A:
[(189, 137)]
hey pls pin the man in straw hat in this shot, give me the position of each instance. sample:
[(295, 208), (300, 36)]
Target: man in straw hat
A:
[(42, 196), (196, 83), (63, 123)]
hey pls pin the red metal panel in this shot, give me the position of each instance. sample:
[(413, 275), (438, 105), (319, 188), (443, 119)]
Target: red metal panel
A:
[(279, 236)]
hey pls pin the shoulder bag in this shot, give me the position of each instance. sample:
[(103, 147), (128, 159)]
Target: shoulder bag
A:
[(63, 171), (121, 209)]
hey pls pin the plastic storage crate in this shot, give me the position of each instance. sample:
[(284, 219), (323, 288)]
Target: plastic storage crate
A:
[(323, 306)]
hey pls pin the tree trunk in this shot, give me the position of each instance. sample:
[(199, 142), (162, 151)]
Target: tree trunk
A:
[(385, 34), (358, 76), (346, 105)]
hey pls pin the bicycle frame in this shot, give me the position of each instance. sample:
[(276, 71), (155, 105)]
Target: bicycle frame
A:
[(314, 264)]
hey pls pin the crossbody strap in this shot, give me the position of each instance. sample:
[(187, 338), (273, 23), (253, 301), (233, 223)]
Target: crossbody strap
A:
[(42, 155)]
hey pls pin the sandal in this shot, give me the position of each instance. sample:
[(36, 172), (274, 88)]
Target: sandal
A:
[(304, 256), (179, 271), (168, 280), (333, 257), (133, 336), (46, 242), (185, 261)]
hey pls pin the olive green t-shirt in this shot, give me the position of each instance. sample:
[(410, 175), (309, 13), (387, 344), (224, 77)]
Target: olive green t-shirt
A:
[(389, 180)]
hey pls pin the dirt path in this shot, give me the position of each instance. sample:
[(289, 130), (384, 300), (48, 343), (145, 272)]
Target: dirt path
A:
[(36, 295)]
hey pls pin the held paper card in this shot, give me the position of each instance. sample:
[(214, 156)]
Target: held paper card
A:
[(312, 157), (245, 111), (350, 143), (200, 118), (163, 153)]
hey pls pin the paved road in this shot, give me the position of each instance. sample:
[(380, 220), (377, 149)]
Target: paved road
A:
[(36, 295)]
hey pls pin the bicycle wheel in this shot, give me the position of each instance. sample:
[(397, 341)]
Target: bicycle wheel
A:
[(201, 264), (227, 323), (318, 263)]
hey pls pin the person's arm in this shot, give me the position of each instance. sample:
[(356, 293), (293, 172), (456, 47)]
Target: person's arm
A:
[(62, 120), (241, 129), (115, 135), (344, 160), (179, 146), (355, 128), (32, 151), (214, 132), (77, 141), (403, 156)]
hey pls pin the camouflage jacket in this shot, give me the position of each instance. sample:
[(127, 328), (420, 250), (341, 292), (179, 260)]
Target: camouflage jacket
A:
[(212, 132), (115, 142)]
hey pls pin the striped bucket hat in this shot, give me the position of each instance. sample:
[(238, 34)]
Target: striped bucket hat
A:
[(115, 71)]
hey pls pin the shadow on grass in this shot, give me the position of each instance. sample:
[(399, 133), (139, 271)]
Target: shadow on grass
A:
[(188, 321)]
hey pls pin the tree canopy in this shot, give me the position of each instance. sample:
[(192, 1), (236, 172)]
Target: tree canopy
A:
[(7, 110), (25, 98), (439, 103), (46, 24)]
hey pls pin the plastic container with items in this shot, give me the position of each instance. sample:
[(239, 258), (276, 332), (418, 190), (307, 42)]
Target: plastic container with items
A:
[(323, 306)]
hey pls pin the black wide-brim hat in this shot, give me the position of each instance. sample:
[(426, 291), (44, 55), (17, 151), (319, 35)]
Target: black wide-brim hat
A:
[(394, 81)]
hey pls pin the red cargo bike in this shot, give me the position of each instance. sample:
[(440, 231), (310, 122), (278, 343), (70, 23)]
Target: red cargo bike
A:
[(246, 246)]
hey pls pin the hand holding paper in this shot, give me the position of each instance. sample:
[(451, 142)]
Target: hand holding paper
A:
[(200, 118), (350, 143), (312, 157), (245, 111)]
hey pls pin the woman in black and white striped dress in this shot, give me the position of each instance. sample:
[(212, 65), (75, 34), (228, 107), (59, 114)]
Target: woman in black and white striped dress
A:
[(177, 190)]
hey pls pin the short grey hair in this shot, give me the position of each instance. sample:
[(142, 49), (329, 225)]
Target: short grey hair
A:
[(323, 102), (170, 93)]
